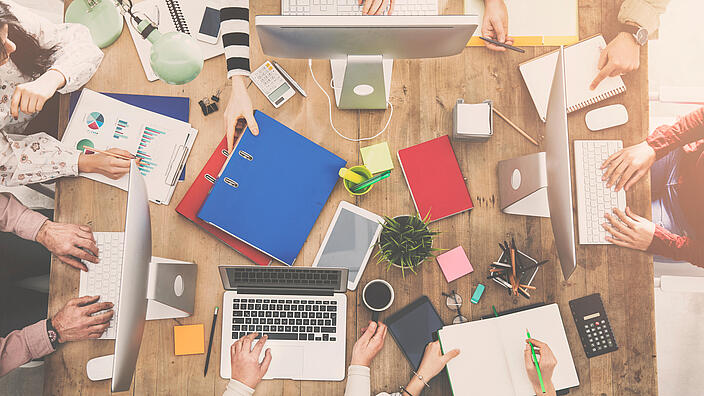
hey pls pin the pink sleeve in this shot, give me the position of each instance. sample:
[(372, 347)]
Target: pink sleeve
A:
[(18, 219), (676, 247), (686, 130), (21, 346)]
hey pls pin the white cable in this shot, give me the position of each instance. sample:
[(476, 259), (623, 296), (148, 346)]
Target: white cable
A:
[(310, 67)]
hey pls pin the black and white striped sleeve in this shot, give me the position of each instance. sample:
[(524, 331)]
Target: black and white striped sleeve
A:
[(234, 23)]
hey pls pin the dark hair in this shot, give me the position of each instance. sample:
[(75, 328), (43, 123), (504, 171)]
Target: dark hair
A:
[(30, 58)]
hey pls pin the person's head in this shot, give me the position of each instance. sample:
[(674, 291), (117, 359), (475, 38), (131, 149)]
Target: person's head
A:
[(21, 47)]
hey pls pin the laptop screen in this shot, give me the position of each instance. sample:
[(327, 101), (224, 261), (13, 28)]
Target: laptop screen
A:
[(273, 278)]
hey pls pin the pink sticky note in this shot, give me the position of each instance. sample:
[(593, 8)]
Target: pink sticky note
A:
[(454, 263)]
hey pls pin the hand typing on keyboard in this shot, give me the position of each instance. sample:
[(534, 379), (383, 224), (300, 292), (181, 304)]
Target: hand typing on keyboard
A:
[(244, 360), (76, 320), (625, 167), (377, 7), (69, 242), (629, 230)]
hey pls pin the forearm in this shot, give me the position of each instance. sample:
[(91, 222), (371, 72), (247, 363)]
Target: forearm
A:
[(415, 387), (36, 158), (234, 23), (644, 13), (18, 219), (687, 129), (236, 388), (358, 381), (677, 247), (21, 346)]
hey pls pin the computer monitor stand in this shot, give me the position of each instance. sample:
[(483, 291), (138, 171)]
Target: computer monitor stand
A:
[(362, 81), (171, 293), (523, 183)]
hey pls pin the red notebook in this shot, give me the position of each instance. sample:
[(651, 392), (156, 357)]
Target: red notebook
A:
[(196, 195), (434, 178)]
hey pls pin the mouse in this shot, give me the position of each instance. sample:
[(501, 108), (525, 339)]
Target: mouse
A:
[(606, 117)]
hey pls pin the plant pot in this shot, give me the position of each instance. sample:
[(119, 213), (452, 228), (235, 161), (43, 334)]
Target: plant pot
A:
[(403, 220)]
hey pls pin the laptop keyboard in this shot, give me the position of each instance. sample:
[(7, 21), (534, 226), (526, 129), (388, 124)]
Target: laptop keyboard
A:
[(285, 319)]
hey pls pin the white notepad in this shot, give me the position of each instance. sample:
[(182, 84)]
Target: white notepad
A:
[(171, 15), (581, 66), (491, 360)]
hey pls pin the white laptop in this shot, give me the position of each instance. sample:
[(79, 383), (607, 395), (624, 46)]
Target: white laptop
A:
[(303, 311)]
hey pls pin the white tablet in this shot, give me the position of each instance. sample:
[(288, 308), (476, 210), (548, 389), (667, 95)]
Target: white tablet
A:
[(349, 241)]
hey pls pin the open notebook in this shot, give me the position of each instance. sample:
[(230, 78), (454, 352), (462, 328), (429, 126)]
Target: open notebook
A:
[(581, 66), (533, 22), (491, 361), (171, 15)]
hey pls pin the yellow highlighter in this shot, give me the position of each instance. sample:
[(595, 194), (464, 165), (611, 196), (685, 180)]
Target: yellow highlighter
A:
[(353, 177)]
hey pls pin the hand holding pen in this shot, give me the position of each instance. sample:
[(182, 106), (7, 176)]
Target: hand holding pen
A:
[(547, 363)]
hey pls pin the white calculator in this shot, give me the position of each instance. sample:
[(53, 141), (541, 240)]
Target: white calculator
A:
[(272, 84)]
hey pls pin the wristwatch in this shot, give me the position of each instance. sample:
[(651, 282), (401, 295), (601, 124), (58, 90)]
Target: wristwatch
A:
[(52, 333), (639, 33)]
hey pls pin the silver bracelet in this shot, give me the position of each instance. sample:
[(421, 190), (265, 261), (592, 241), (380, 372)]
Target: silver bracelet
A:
[(420, 377)]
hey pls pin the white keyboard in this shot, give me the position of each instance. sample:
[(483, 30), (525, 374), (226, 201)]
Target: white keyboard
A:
[(103, 279), (593, 198), (352, 7)]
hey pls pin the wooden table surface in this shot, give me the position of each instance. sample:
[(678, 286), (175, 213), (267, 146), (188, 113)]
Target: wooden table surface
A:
[(423, 93)]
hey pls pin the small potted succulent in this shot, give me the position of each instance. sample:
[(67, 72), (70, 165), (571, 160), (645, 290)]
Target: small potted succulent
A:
[(406, 242)]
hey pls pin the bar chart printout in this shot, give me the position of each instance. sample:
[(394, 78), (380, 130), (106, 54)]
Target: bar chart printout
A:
[(120, 129), (147, 143)]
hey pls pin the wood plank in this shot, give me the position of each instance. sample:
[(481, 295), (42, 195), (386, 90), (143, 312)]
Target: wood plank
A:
[(423, 94)]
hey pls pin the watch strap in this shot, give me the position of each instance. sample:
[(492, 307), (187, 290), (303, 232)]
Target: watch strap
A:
[(628, 28), (52, 333)]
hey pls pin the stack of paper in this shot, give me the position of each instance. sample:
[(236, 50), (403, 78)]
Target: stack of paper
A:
[(161, 143)]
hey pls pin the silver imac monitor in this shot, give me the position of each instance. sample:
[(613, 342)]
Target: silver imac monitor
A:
[(362, 48), (559, 171), (132, 306)]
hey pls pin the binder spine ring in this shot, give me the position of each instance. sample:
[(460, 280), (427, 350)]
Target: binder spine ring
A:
[(596, 99), (177, 16)]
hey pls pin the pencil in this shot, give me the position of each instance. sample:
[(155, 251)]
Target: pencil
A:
[(527, 287), (107, 153), (494, 308), (500, 44), (210, 343), (525, 135), (535, 361)]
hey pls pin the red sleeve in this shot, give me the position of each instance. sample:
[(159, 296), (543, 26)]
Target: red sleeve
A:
[(686, 130), (676, 247)]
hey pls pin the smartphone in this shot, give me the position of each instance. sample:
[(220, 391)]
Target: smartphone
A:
[(210, 25)]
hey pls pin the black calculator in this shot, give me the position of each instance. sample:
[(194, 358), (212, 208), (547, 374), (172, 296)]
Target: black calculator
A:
[(593, 326)]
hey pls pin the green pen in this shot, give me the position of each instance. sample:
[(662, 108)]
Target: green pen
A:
[(494, 309), (535, 360), (359, 187)]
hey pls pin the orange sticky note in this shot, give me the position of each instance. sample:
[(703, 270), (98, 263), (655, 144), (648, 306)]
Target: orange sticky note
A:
[(189, 340)]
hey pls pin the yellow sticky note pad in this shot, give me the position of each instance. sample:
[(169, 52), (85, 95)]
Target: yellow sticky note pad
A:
[(377, 158), (189, 340)]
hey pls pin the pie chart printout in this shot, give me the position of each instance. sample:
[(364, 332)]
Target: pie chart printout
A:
[(95, 120)]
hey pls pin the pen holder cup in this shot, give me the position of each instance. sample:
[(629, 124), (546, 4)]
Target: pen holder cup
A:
[(362, 171)]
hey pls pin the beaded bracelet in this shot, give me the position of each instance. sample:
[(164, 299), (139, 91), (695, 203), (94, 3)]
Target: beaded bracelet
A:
[(403, 390)]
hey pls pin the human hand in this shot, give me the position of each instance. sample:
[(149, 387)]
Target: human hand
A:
[(31, 96), (238, 113), (632, 231), (106, 165), (621, 55), (68, 241), (369, 344), (628, 165), (495, 24), (547, 363), (434, 361), (244, 360), (377, 7), (75, 321)]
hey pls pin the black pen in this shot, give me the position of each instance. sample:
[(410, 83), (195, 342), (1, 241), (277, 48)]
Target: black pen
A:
[(289, 79), (500, 44), (210, 343)]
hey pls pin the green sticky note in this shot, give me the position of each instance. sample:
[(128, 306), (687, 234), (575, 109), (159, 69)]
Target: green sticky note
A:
[(377, 158)]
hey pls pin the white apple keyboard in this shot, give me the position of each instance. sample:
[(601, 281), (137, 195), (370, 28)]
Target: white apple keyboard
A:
[(606, 117)]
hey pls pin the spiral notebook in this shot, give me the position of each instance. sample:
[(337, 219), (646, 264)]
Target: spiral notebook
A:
[(581, 66), (172, 16)]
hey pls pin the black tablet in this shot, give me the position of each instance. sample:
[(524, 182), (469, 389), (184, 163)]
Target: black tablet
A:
[(413, 327)]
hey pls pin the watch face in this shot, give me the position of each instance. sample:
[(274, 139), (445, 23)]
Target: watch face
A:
[(642, 36)]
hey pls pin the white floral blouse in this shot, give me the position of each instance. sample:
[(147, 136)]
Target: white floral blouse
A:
[(40, 157)]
